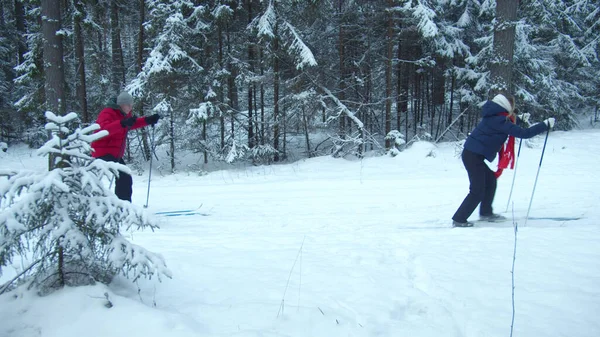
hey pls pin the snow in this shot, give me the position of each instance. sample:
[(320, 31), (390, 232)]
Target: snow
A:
[(425, 15), (267, 22), (358, 247), (304, 53)]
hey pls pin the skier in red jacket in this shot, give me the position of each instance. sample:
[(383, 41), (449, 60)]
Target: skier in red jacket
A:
[(117, 119)]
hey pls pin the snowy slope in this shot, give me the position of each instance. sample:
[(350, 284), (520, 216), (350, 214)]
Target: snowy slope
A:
[(328, 247)]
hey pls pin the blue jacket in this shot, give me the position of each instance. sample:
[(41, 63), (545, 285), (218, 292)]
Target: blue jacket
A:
[(489, 135)]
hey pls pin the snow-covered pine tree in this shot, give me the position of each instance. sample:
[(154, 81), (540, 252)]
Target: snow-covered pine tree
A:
[(29, 83), (5, 82), (280, 39), (557, 58), (171, 76), (65, 225)]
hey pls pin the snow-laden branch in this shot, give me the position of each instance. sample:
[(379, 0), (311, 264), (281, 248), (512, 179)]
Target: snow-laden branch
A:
[(266, 23), (343, 108), (302, 52)]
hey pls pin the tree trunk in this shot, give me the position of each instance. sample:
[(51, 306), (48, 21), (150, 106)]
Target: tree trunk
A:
[(388, 74), (140, 51), (61, 264), (256, 115), (172, 136), (221, 93), (504, 45), (262, 101), (306, 134), (452, 86), (20, 23), (342, 81), (250, 85), (284, 118), (439, 89), (80, 61), (404, 75), (231, 87), (53, 57), (415, 106), (276, 95), (140, 65), (118, 66), (204, 139)]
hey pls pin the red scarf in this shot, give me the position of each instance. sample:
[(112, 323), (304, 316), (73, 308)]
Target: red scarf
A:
[(507, 152)]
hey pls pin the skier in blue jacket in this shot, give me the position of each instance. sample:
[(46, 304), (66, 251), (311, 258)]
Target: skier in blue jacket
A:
[(484, 142)]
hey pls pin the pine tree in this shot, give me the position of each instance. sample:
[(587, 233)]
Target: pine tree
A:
[(6, 78), (168, 80), (557, 59), (66, 223), (29, 83), (280, 39)]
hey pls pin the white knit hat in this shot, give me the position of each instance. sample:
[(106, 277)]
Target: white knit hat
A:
[(502, 101)]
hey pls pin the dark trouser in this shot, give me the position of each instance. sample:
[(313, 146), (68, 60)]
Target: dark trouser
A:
[(123, 182), (481, 190)]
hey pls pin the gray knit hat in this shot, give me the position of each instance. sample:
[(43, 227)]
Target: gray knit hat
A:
[(124, 98)]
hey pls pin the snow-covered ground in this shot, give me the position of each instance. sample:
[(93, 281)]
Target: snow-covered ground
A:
[(330, 247)]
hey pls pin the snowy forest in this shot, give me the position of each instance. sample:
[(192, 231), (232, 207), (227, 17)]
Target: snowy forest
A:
[(254, 80)]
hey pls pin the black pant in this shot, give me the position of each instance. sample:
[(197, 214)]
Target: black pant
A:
[(123, 182), (481, 190)]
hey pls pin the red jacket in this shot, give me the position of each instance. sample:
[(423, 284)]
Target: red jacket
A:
[(110, 119)]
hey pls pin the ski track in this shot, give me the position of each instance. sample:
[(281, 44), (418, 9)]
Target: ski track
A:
[(379, 256)]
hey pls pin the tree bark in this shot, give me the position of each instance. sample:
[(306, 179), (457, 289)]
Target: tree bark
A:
[(172, 140), (81, 90), (306, 134), (452, 88), (204, 139), (232, 88), (388, 74), (118, 66), (250, 85), (276, 95), (20, 23), (504, 45), (53, 57), (221, 93), (342, 80), (262, 99), (405, 55), (140, 65)]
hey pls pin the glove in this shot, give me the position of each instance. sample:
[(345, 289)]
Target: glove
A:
[(550, 122), (151, 120), (524, 117), (128, 122)]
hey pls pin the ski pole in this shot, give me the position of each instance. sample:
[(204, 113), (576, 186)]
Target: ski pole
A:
[(514, 175), (537, 175), (150, 172)]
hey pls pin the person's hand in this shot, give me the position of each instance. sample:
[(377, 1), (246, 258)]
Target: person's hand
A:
[(550, 122), (153, 119), (128, 122), (524, 117)]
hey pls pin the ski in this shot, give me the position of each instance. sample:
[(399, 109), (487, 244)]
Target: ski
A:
[(183, 212), (508, 221), (557, 218), (550, 218), (175, 212)]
